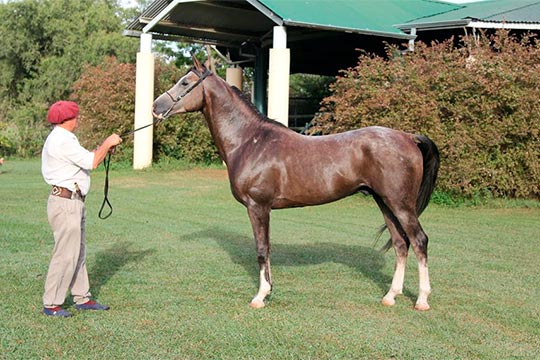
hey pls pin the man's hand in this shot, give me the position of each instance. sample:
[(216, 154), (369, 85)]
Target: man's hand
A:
[(107, 146), (113, 140)]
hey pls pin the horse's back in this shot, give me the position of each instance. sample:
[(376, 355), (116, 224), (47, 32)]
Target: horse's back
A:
[(374, 144)]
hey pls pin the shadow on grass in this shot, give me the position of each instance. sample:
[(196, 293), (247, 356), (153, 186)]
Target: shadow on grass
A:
[(366, 260), (109, 261)]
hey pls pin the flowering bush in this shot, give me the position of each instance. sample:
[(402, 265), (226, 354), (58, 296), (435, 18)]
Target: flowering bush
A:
[(479, 102)]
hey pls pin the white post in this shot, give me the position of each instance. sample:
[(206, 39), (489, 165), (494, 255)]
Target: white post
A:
[(411, 41), (234, 77), (144, 98), (278, 77)]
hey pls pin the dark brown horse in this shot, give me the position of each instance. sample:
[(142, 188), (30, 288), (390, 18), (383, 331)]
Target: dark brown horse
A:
[(273, 167)]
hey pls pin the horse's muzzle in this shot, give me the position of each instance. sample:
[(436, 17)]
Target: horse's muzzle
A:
[(157, 116)]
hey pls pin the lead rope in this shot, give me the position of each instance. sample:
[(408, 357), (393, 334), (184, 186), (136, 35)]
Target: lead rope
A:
[(106, 201), (107, 163)]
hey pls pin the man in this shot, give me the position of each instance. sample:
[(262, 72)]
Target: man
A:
[(66, 165)]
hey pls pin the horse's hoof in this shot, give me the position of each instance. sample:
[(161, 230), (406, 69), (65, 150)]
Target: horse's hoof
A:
[(256, 304), (422, 307), (388, 302)]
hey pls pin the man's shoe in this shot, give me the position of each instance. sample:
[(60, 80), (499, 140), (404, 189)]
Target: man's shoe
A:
[(91, 305), (56, 311)]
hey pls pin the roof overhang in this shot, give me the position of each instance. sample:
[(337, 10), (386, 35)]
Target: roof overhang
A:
[(487, 14), (503, 25), (469, 23), (208, 22), (438, 25)]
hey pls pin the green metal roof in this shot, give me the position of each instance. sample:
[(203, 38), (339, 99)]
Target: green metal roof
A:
[(488, 11), (365, 16), (371, 17), (238, 21)]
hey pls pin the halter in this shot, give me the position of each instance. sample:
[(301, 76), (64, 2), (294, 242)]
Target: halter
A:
[(202, 76), (107, 160)]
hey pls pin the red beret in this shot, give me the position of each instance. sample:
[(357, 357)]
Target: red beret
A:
[(61, 111)]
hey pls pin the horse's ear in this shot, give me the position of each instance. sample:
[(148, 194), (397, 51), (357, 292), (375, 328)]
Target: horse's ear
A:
[(197, 63)]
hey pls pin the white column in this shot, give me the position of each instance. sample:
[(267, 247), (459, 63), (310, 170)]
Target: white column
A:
[(144, 98), (411, 41), (278, 77), (234, 77)]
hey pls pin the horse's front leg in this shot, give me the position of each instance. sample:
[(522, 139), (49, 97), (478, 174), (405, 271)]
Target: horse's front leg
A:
[(260, 221)]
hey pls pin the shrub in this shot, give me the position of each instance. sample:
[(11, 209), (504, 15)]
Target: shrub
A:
[(26, 130), (479, 102), (105, 94), (6, 143)]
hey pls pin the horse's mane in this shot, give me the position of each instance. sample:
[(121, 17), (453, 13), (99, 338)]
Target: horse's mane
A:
[(248, 102)]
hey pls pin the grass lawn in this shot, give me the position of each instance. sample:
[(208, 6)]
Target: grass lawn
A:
[(176, 262)]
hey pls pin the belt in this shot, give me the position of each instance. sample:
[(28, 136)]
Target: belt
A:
[(66, 193)]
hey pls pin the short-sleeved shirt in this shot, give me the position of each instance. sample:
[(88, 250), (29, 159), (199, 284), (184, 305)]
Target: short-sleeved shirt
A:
[(65, 162)]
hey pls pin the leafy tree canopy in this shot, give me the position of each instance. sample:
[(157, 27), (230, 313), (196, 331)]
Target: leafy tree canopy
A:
[(43, 48), (46, 43)]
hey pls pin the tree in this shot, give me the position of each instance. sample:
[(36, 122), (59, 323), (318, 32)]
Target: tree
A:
[(43, 48)]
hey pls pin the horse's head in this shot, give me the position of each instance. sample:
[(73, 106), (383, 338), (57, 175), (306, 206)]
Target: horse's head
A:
[(185, 96)]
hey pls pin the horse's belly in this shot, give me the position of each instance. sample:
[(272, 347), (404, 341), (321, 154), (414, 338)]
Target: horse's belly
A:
[(314, 192)]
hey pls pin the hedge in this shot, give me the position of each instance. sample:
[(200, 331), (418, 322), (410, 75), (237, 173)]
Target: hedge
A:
[(478, 100)]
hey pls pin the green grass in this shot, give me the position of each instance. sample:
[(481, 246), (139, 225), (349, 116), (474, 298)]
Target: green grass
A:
[(176, 263)]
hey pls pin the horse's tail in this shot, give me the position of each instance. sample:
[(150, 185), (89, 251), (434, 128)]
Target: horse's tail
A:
[(430, 155)]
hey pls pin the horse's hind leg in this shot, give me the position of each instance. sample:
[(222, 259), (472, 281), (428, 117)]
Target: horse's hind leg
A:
[(401, 247), (420, 249), (419, 242), (405, 230), (260, 222)]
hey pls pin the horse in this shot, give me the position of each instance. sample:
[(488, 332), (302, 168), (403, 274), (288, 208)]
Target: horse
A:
[(273, 167)]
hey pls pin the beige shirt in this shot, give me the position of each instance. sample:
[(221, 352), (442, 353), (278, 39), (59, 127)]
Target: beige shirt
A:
[(65, 162)]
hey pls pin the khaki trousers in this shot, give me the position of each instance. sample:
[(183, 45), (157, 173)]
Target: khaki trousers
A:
[(67, 269)]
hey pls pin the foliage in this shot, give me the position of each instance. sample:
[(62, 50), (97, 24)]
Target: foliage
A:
[(6, 144), (478, 102), (43, 48), (179, 53), (106, 94), (46, 43), (185, 137), (310, 86)]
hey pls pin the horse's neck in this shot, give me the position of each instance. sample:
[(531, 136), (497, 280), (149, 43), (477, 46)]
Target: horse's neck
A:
[(229, 117)]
